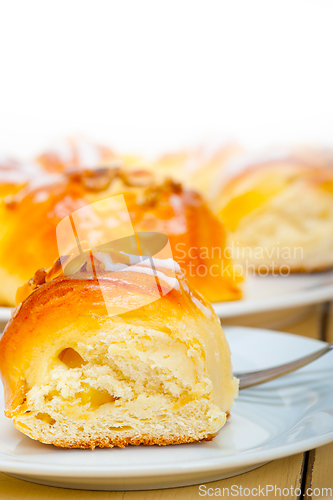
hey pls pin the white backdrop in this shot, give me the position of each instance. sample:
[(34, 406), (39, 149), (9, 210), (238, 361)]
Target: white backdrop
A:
[(149, 74)]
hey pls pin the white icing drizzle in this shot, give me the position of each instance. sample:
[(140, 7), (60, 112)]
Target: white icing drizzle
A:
[(17, 173), (144, 267), (134, 259), (77, 150), (247, 161), (45, 179), (108, 262), (207, 312), (41, 196), (162, 263), (176, 202)]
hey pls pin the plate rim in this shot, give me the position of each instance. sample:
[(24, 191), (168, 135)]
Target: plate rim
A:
[(241, 307)]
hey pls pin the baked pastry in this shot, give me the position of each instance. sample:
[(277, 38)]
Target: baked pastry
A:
[(77, 377), (280, 213), (197, 237), (75, 152), (197, 168)]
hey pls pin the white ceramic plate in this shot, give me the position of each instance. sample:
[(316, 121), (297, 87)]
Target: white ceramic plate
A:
[(268, 293), (281, 418), (265, 294)]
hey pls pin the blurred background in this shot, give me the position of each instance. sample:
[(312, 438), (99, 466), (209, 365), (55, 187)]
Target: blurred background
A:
[(148, 76)]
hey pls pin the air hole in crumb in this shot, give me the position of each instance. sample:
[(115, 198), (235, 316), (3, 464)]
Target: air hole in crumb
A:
[(46, 418), (51, 395), (81, 429), (96, 397), (71, 358), (123, 428)]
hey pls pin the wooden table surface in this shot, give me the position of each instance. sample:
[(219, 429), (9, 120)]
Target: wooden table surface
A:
[(312, 469)]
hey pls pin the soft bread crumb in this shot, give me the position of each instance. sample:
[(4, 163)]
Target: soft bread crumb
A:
[(292, 230), (143, 387)]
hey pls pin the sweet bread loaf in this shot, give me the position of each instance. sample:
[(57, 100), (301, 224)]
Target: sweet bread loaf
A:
[(280, 214), (76, 377), (197, 237)]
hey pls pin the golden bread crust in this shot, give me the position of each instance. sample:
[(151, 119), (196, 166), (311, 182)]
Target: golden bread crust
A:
[(121, 442)]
